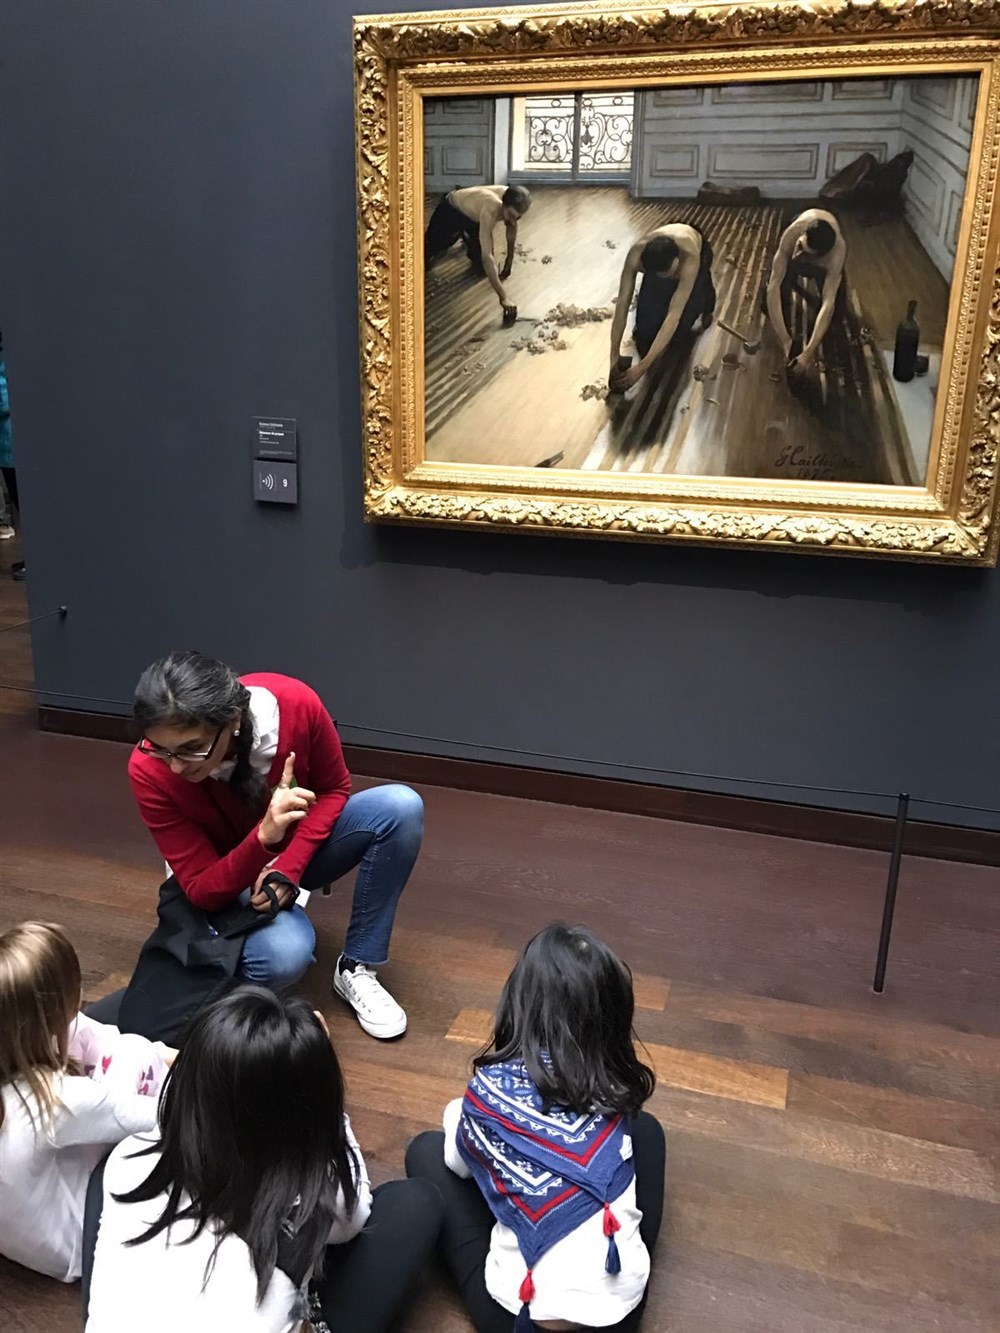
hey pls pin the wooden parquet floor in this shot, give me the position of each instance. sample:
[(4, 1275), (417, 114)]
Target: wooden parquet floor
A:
[(832, 1155)]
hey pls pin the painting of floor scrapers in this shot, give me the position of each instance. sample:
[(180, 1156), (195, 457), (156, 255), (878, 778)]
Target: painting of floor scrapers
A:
[(743, 280)]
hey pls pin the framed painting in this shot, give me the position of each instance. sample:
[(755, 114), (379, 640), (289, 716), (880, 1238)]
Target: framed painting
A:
[(721, 274)]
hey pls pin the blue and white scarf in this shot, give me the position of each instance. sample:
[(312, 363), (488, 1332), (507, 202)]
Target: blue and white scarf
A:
[(542, 1173)]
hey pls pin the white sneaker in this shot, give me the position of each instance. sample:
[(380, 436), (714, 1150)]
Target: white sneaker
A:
[(378, 1013)]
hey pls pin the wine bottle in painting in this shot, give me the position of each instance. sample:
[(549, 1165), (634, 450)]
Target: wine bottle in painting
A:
[(904, 361)]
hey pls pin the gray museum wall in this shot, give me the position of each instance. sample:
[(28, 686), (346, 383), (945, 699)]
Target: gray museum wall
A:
[(178, 255)]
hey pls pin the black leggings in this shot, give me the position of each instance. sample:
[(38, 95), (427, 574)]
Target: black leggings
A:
[(807, 282), (10, 477), (365, 1283), (657, 293), (447, 225), (468, 1222)]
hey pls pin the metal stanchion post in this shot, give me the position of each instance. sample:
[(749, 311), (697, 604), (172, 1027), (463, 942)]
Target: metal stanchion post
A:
[(902, 806)]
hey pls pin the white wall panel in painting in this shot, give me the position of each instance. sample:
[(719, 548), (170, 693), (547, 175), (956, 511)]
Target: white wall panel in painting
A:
[(752, 163), (787, 138), (669, 160), (841, 155), (461, 161), (937, 119), (458, 142)]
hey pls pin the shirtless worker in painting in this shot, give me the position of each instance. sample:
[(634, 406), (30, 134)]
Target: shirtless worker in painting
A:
[(677, 290), (471, 214), (811, 247)]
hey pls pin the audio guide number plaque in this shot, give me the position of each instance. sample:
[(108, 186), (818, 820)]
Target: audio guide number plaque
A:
[(276, 456), (275, 483)]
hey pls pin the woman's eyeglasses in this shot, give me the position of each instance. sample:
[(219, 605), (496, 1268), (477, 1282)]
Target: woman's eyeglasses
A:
[(185, 756)]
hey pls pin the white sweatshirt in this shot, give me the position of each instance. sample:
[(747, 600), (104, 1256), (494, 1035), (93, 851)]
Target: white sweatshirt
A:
[(161, 1287), (45, 1164)]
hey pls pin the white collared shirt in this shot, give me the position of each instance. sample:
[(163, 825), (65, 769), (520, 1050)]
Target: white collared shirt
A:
[(265, 718)]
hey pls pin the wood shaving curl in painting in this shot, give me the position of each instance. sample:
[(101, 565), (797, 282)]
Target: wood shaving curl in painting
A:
[(598, 389), (546, 259), (540, 345), (572, 316)]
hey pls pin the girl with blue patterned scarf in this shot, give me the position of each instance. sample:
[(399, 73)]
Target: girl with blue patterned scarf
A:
[(551, 1173)]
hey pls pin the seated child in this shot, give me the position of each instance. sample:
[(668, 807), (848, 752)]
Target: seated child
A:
[(249, 1208), (560, 1215), (70, 1089)]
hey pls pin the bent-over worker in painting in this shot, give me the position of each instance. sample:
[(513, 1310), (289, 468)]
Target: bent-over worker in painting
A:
[(677, 290), (811, 248), (471, 215)]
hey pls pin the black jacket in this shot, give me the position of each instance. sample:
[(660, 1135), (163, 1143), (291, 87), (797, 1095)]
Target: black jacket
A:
[(191, 959)]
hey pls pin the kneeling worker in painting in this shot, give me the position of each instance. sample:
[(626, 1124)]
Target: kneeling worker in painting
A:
[(811, 248), (471, 214), (677, 290)]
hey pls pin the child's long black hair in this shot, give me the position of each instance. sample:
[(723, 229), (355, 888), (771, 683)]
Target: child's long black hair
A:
[(566, 1011), (252, 1130)]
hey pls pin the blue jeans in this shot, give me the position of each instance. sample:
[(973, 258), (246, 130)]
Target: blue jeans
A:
[(379, 831)]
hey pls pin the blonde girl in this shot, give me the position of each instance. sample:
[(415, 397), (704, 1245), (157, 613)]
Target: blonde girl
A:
[(70, 1088)]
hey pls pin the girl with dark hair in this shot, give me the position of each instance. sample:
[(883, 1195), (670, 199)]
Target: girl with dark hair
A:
[(243, 785), (246, 1211), (558, 1220)]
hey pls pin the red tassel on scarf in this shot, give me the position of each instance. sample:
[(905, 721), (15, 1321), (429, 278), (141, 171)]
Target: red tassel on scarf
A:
[(523, 1323)]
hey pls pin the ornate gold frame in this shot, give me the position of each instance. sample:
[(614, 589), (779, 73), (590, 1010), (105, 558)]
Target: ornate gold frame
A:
[(403, 58)]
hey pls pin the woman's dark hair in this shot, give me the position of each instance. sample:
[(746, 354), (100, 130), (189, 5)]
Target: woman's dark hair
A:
[(252, 1130), (187, 689), (566, 1011), (658, 254)]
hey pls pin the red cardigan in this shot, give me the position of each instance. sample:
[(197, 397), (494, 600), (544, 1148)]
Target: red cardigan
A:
[(206, 833)]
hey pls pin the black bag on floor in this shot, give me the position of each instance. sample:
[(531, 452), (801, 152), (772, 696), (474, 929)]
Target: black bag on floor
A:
[(191, 959)]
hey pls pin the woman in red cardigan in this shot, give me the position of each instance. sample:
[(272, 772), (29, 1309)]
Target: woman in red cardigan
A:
[(242, 783)]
